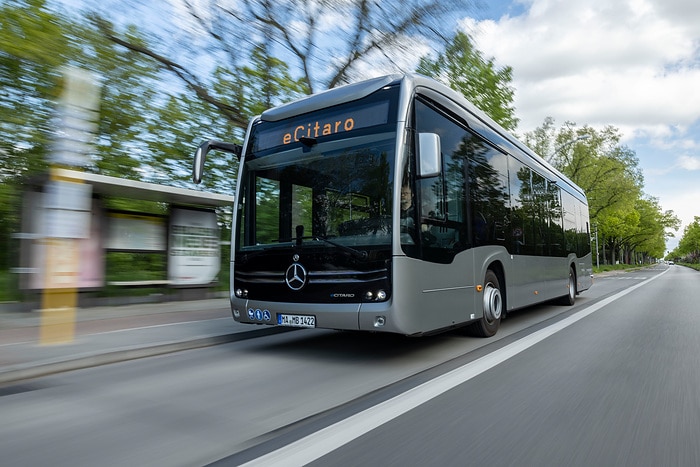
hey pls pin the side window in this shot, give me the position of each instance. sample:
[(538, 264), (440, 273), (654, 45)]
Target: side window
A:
[(537, 226), (442, 201), (584, 243), (521, 232), (539, 215), (556, 225), (488, 193), (571, 218)]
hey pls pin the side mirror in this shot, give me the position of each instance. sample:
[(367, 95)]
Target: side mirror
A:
[(429, 156), (198, 165), (201, 154)]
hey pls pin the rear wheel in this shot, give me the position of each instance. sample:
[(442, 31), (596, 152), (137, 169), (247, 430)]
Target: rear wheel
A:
[(492, 300), (570, 298)]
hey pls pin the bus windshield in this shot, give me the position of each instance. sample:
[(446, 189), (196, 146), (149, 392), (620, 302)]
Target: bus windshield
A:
[(334, 189)]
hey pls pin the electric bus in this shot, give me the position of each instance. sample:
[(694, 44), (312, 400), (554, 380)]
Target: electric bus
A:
[(395, 205)]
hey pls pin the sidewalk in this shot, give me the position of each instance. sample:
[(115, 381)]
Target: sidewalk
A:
[(112, 334)]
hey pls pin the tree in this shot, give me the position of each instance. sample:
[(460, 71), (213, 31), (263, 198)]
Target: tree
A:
[(463, 68), (183, 120), (647, 237), (32, 52), (35, 46), (689, 244), (29, 79)]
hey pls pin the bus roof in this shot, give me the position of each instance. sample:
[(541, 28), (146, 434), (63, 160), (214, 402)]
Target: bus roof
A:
[(328, 98)]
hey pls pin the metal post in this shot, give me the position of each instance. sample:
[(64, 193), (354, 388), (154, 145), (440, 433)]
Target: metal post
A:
[(597, 256)]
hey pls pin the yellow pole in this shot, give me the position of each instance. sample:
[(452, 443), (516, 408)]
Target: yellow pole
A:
[(60, 295), (67, 205)]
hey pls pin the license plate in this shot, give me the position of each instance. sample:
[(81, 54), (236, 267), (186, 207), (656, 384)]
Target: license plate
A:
[(296, 321)]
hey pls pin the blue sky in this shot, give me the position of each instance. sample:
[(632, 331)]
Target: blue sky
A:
[(632, 64)]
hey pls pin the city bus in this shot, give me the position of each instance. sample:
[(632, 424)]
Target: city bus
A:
[(395, 205)]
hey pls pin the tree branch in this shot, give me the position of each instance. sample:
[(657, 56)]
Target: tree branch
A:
[(232, 113)]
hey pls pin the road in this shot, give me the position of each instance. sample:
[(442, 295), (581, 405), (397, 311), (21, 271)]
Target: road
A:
[(613, 380)]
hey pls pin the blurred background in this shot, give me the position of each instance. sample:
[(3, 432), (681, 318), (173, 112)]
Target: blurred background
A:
[(166, 75)]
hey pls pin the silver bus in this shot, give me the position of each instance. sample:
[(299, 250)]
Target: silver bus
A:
[(395, 205)]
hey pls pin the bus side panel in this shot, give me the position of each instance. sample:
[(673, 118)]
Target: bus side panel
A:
[(556, 274), (584, 274), (535, 279), (428, 296)]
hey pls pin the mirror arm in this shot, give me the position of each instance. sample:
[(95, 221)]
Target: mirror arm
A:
[(201, 154)]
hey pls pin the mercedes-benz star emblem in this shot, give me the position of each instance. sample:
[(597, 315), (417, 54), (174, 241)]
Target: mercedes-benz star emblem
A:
[(295, 277)]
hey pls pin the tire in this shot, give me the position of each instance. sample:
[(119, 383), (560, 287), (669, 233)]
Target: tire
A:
[(570, 298), (492, 299)]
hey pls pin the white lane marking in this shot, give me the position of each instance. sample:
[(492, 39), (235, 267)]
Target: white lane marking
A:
[(635, 278), (326, 440)]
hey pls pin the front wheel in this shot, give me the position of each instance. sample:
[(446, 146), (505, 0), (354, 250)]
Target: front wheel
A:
[(493, 304)]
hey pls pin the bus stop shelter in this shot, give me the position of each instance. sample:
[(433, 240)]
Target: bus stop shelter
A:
[(68, 206)]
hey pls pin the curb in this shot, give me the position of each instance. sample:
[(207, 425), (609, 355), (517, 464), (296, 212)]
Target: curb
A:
[(81, 361)]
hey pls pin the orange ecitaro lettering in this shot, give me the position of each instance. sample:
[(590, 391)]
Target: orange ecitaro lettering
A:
[(316, 129)]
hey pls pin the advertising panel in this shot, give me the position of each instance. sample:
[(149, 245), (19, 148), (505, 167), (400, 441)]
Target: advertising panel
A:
[(135, 232), (194, 254)]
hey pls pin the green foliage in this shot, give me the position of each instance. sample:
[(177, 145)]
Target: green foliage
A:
[(463, 68), (183, 120), (32, 50), (689, 244), (265, 83), (614, 267), (650, 234), (125, 266), (35, 45), (9, 290)]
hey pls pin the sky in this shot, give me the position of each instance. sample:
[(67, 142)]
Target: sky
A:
[(632, 64)]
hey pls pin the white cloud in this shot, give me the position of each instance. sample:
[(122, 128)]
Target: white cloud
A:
[(689, 163), (631, 63)]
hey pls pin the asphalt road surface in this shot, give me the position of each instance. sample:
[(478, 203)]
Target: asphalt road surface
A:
[(613, 380)]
